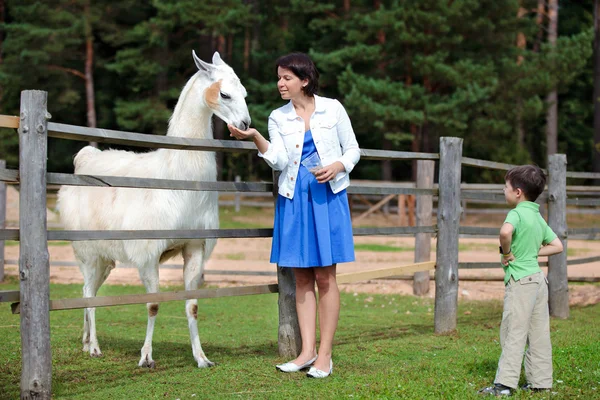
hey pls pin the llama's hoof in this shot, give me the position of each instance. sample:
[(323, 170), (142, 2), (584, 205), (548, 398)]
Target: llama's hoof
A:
[(147, 363), (95, 353), (150, 365), (86, 348), (205, 363)]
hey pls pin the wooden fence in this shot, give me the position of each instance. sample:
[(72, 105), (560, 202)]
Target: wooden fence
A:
[(34, 301)]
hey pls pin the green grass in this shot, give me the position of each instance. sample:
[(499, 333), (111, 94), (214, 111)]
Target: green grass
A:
[(384, 348)]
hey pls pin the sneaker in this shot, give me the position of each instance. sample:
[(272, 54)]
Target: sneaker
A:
[(528, 387), (497, 390)]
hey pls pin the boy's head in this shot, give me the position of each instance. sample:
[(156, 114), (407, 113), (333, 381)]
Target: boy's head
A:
[(529, 179)]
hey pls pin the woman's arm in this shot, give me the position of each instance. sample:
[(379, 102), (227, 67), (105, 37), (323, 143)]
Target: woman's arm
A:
[(261, 143), (273, 152)]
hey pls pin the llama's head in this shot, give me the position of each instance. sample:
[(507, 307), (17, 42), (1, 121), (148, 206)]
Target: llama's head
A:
[(225, 94)]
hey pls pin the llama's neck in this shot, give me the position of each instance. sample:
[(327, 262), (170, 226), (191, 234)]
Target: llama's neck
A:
[(191, 117)]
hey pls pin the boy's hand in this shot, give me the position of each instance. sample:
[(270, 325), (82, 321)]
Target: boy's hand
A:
[(506, 258)]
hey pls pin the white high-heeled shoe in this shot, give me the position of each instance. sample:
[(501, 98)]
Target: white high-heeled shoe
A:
[(291, 367), (317, 373)]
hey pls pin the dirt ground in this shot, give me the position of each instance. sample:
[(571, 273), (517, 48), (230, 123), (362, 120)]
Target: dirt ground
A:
[(250, 255)]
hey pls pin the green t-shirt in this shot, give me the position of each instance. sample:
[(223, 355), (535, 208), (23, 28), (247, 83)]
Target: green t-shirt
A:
[(529, 234)]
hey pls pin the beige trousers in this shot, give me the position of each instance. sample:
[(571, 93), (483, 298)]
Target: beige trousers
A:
[(526, 322)]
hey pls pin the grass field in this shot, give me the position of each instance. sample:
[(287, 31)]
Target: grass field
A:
[(385, 348)]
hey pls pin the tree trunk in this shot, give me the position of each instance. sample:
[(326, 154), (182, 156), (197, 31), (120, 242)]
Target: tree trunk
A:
[(552, 99), (89, 72), (596, 153), (346, 6), (522, 45), (2, 18), (539, 20)]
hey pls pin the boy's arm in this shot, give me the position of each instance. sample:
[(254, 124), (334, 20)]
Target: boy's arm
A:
[(554, 247), (506, 233)]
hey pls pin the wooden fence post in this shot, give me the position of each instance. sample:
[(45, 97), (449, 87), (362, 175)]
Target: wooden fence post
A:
[(34, 268), (237, 196), (289, 339), (558, 293), (425, 173), (2, 219), (448, 221)]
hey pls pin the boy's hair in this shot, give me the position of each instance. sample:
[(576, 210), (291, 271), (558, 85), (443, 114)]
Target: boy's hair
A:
[(529, 178)]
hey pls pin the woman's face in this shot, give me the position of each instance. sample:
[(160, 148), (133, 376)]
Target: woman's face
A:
[(289, 85)]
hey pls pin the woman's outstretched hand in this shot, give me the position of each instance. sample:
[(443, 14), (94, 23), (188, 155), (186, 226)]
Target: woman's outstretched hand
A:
[(242, 135), (329, 172)]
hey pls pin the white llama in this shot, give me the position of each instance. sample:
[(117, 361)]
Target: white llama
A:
[(214, 89)]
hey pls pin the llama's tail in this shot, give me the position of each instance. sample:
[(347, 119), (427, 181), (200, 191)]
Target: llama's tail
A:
[(83, 157)]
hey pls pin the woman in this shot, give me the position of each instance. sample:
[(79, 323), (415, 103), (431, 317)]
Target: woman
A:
[(312, 229)]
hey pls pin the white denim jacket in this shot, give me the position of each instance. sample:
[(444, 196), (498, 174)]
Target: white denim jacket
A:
[(333, 136)]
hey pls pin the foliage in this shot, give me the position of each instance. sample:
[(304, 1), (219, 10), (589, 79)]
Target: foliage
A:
[(384, 348), (408, 72)]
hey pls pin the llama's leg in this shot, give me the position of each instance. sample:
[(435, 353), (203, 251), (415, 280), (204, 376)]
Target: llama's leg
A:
[(150, 279), (94, 274), (194, 257)]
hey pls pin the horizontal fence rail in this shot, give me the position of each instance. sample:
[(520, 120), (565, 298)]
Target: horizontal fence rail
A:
[(13, 234), (107, 301), (85, 134)]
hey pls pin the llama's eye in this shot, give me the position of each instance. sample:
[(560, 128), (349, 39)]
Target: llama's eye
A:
[(225, 96)]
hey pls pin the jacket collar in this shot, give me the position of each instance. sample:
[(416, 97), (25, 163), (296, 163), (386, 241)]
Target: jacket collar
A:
[(290, 111)]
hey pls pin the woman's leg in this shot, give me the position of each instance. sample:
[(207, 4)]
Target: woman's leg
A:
[(306, 308), (329, 313)]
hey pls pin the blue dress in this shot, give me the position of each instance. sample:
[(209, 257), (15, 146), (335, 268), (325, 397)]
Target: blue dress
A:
[(313, 229)]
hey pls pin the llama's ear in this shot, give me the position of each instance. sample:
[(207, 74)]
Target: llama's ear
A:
[(202, 66), (217, 59)]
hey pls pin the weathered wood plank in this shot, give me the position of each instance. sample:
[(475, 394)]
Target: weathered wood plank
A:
[(448, 220), (583, 202), (384, 272), (13, 234), (9, 121), (148, 183), (108, 301), (9, 295), (72, 132), (374, 189), (425, 177), (473, 162), (34, 270), (583, 175), (584, 233), (558, 288), (52, 178), (9, 175), (478, 230), (81, 133)]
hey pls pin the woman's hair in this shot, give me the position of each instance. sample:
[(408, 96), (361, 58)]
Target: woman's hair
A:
[(529, 178), (303, 67)]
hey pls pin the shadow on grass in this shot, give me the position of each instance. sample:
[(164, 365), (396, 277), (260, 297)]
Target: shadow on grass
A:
[(382, 333)]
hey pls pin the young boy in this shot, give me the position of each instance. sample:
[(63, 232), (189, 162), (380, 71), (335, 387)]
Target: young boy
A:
[(525, 320)]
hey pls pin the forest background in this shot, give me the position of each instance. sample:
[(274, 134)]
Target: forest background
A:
[(514, 78)]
